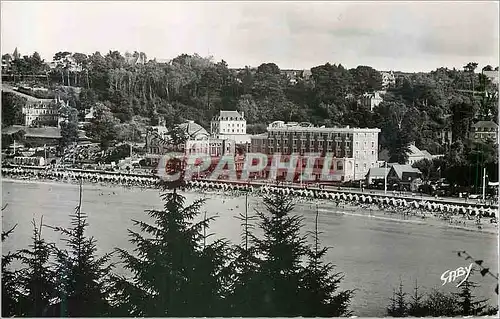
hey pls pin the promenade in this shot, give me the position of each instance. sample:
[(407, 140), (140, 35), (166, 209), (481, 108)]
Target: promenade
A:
[(372, 192)]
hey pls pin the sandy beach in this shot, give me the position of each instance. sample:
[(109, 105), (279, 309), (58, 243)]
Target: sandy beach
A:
[(350, 208)]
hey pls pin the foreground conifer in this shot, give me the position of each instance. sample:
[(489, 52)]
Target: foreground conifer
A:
[(10, 290), (320, 285), (174, 271), (37, 278), (83, 278)]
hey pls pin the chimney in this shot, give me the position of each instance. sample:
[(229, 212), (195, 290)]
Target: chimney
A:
[(243, 115)]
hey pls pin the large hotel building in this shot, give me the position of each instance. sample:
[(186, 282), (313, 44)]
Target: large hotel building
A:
[(355, 150)]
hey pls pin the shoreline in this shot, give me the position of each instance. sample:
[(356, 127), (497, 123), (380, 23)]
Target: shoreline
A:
[(345, 209)]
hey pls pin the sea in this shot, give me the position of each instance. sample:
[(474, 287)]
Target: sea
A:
[(373, 253)]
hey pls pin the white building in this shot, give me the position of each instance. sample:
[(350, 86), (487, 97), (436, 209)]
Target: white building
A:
[(230, 125), (388, 79), (355, 150), (415, 155), (492, 76), (371, 100)]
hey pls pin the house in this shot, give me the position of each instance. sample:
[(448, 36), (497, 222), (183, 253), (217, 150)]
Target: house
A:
[(136, 58), (415, 155), (376, 175), (39, 136), (403, 175), (230, 125), (371, 100), (6, 63), (483, 131), (306, 75), (492, 76), (388, 79)]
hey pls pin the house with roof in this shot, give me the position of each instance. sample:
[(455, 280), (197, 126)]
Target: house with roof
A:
[(403, 175), (371, 100), (39, 136), (492, 76), (388, 79), (230, 125), (483, 131), (376, 175), (415, 155)]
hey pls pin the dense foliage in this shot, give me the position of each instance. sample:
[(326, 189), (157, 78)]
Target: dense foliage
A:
[(129, 93), (436, 303)]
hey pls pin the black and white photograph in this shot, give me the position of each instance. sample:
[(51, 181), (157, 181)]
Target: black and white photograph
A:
[(250, 158)]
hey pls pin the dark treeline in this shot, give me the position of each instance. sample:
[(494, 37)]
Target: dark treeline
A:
[(129, 96), (439, 304), (176, 271)]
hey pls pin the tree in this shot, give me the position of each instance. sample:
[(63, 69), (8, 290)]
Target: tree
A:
[(398, 306), (10, 285), (282, 248), (467, 303), (320, 296), (440, 304), (102, 127), (12, 105), (82, 277), (175, 272), (416, 306), (69, 125), (246, 289), (37, 279)]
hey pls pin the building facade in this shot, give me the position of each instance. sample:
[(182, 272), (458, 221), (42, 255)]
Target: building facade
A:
[(388, 79), (483, 131), (230, 125), (355, 150), (371, 100), (43, 112)]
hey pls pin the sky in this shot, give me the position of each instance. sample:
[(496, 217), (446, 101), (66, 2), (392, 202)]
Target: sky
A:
[(400, 36)]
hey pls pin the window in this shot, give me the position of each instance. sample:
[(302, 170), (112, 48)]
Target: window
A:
[(233, 130), (340, 166), (356, 165), (373, 152), (364, 165), (373, 144)]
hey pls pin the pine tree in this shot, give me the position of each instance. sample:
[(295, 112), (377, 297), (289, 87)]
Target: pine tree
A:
[(10, 287), (174, 271), (319, 289), (246, 289), (283, 249), (37, 279), (83, 277), (416, 307), (398, 306), (439, 304), (467, 302)]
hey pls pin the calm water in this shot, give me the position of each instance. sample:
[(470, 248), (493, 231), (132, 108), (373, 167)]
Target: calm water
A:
[(373, 253)]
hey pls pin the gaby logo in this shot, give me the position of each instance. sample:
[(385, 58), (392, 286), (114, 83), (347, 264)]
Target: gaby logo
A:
[(452, 275)]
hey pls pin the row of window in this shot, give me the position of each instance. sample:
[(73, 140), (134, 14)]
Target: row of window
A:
[(318, 134), (485, 129), (232, 125), (41, 111), (232, 130)]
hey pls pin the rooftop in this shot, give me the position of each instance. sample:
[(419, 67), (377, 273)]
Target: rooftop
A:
[(487, 124), (43, 132), (400, 169), (193, 129), (280, 126)]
